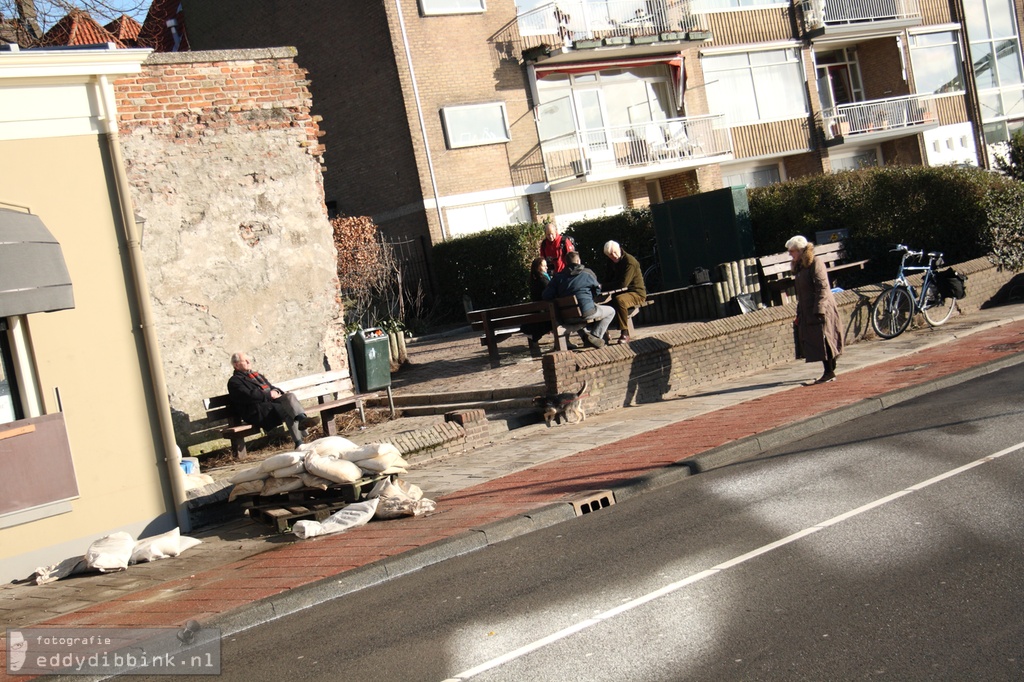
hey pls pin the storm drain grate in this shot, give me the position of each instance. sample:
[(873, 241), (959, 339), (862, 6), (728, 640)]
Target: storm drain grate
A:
[(591, 502)]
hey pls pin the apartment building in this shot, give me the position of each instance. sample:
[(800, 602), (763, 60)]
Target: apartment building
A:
[(445, 117)]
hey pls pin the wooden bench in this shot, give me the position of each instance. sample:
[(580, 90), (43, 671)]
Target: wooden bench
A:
[(777, 268), (334, 393), (499, 324)]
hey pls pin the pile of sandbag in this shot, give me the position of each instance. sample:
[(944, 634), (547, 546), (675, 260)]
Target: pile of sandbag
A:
[(389, 499), (324, 462), (115, 552)]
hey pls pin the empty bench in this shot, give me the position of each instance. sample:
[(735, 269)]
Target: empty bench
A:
[(777, 268), (334, 393), (499, 324)]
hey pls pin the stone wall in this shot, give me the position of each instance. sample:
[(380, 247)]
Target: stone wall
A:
[(225, 166), (703, 353)]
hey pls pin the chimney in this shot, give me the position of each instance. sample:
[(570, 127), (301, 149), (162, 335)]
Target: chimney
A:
[(27, 14)]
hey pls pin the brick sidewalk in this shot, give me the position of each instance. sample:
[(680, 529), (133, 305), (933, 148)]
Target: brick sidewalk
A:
[(207, 595)]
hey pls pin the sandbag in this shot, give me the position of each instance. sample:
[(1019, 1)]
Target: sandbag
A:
[(246, 475), (351, 516), (193, 481), (329, 445), (276, 486), (110, 553), (246, 488), (382, 451), (313, 481), (282, 459), (169, 544), (382, 464), (395, 507), (293, 470), (332, 468)]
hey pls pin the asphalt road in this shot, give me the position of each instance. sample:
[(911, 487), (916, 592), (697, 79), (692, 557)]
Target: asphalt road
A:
[(889, 548)]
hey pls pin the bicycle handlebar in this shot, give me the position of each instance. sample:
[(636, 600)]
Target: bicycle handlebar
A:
[(903, 248)]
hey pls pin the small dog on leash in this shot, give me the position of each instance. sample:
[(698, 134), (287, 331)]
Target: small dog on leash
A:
[(568, 406)]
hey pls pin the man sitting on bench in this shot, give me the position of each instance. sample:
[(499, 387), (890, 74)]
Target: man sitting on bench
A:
[(576, 280), (624, 279), (258, 402)]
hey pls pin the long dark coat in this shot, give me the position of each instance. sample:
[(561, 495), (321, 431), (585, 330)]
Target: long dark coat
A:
[(814, 299), (251, 401)]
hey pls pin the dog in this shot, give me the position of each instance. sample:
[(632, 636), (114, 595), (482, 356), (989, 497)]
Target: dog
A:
[(568, 406)]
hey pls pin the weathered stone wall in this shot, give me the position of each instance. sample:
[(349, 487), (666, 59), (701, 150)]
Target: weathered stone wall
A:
[(225, 164), (705, 353)]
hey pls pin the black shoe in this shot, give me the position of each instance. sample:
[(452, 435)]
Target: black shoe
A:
[(826, 378), (305, 421), (593, 341), (569, 345)]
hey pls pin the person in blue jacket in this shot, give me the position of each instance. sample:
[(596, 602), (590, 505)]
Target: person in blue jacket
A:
[(576, 280)]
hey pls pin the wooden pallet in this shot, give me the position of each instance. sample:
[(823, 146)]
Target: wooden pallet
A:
[(281, 518)]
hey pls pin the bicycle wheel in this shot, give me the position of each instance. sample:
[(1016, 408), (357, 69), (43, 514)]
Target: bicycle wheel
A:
[(936, 309), (891, 312), (652, 278)]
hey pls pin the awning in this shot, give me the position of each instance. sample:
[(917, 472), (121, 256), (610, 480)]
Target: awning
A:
[(33, 276), (674, 62)]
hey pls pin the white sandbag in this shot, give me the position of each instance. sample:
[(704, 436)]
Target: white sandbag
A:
[(276, 486), (293, 470), (332, 468), (382, 451), (246, 488), (382, 463), (392, 486), (282, 459), (110, 553), (70, 566), (169, 544), (246, 475), (313, 481), (351, 516), (193, 481), (329, 445), (386, 472), (394, 507)]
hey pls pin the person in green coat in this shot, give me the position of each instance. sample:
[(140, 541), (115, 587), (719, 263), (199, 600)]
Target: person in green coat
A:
[(624, 278)]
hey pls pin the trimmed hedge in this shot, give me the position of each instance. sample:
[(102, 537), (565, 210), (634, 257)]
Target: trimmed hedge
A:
[(964, 212)]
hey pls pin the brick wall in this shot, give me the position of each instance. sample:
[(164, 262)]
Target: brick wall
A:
[(651, 367), (880, 69), (223, 156)]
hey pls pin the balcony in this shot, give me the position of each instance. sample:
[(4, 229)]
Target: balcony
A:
[(879, 119), (835, 18), (639, 150), (583, 24)]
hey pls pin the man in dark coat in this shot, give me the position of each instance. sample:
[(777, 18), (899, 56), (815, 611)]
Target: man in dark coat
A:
[(258, 402), (623, 276), (576, 280)]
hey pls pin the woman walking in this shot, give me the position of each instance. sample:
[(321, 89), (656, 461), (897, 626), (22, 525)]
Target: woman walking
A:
[(817, 317)]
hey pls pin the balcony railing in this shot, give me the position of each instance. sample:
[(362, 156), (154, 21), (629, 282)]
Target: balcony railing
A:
[(575, 20), (837, 13), (878, 115), (614, 151)]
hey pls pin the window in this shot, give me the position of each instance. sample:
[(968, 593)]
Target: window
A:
[(936, 61), (469, 219), (433, 7), (994, 44), (863, 159), (756, 86), (473, 125), (10, 402), (760, 176)]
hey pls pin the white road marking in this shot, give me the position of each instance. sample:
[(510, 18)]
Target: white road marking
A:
[(715, 570)]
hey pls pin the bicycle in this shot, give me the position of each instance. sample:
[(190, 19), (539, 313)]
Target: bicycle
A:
[(893, 310), (652, 272)]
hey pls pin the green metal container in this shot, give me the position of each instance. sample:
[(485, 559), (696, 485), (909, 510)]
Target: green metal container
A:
[(370, 353)]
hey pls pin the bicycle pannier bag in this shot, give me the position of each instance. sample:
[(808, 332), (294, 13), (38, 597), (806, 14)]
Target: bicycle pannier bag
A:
[(951, 283)]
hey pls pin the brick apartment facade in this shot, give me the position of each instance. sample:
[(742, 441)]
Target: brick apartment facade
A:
[(445, 117)]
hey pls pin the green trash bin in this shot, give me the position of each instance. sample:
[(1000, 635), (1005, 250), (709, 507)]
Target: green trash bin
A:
[(371, 351)]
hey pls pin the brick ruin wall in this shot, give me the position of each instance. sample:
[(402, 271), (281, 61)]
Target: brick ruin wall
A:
[(224, 161)]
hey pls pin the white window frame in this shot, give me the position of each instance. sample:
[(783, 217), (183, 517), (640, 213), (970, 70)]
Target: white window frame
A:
[(450, 138), (798, 62), (433, 8), (489, 209)]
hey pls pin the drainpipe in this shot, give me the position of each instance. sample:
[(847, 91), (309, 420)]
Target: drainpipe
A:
[(154, 365), (419, 115)]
